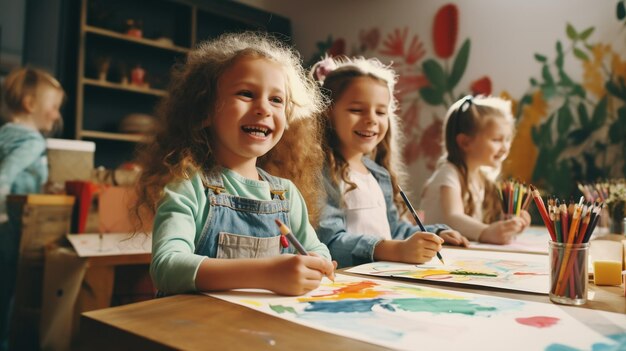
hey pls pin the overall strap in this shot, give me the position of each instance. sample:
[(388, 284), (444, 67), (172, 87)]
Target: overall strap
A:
[(276, 188), (212, 180)]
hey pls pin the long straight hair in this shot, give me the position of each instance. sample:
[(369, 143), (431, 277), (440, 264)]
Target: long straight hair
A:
[(468, 116)]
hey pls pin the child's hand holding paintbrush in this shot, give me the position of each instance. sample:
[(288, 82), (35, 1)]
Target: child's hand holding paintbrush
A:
[(328, 269)]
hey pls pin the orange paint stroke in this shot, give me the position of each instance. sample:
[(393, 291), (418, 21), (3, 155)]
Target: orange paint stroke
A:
[(356, 290), (442, 274)]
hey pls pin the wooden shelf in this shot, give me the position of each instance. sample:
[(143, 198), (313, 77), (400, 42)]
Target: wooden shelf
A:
[(134, 138), (101, 105), (142, 41), (127, 87)]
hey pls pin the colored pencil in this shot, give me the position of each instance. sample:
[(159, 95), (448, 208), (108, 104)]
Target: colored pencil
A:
[(284, 230), (571, 224), (542, 211)]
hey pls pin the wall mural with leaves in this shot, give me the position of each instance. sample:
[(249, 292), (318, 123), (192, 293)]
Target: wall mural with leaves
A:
[(573, 129), (568, 128), (422, 79)]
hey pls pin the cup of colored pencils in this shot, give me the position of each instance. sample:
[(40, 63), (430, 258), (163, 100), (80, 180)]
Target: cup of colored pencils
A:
[(570, 226), (515, 197)]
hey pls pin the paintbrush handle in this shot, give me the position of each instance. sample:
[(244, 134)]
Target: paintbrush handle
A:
[(416, 217)]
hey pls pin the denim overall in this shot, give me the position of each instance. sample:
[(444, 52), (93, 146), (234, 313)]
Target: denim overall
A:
[(238, 227)]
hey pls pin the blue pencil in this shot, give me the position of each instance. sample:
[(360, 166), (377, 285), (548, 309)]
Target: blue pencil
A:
[(417, 219)]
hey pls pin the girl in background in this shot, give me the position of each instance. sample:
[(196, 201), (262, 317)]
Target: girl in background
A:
[(361, 222), (461, 192), (215, 210), (31, 102)]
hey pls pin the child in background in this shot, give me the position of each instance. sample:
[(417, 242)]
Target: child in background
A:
[(31, 101), (477, 136), (215, 211), (360, 222)]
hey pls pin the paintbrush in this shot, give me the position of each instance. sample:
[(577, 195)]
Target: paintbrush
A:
[(417, 219)]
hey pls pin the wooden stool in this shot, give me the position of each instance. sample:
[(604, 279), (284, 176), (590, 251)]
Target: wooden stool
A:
[(41, 219)]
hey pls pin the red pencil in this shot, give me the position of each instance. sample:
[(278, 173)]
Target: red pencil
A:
[(542, 211)]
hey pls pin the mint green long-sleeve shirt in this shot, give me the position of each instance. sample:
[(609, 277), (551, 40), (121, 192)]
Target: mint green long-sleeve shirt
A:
[(181, 216)]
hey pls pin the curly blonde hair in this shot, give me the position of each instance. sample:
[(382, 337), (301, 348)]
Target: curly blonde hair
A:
[(335, 82), (468, 116), (182, 144)]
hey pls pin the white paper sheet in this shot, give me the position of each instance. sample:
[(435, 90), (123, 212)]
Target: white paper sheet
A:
[(111, 244), (410, 317), (505, 270)]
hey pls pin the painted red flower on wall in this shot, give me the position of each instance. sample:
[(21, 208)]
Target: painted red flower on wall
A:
[(338, 47), (422, 81), (445, 30), (427, 146), (395, 45), (481, 86), (369, 39)]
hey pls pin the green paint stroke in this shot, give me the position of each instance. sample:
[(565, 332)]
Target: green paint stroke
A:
[(432, 305), (479, 274), (282, 309)]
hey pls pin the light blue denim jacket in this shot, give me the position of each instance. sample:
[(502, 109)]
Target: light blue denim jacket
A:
[(351, 249)]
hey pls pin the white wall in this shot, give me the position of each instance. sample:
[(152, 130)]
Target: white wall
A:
[(504, 35)]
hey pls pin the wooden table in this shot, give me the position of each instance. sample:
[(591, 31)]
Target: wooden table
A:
[(92, 290), (199, 322), (100, 276)]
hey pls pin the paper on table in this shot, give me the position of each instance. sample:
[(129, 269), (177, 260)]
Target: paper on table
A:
[(532, 240), (111, 244), (405, 316), (504, 270)]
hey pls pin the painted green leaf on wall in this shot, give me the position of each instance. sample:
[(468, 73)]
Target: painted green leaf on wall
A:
[(621, 10), (565, 119), (565, 80), (432, 96), (599, 114), (578, 90), (578, 136), (435, 74), (581, 54), (617, 131), (546, 75), (559, 56), (541, 58), (586, 33), (571, 32), (583, 116), (459, 65)]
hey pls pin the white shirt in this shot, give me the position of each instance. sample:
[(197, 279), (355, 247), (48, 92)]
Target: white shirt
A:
[(365, 207), (448, 175)]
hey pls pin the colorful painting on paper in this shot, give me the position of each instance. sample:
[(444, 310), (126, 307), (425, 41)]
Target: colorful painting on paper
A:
[(514, 271), (404, 316), (531, 240)]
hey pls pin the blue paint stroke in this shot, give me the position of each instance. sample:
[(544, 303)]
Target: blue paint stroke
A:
[(620, 345), (500, 304), (351, 306), (431, 305)]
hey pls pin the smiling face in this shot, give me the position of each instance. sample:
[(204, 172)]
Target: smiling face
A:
[(490, 145), (45, 108), (249, 118), (360, 117)]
